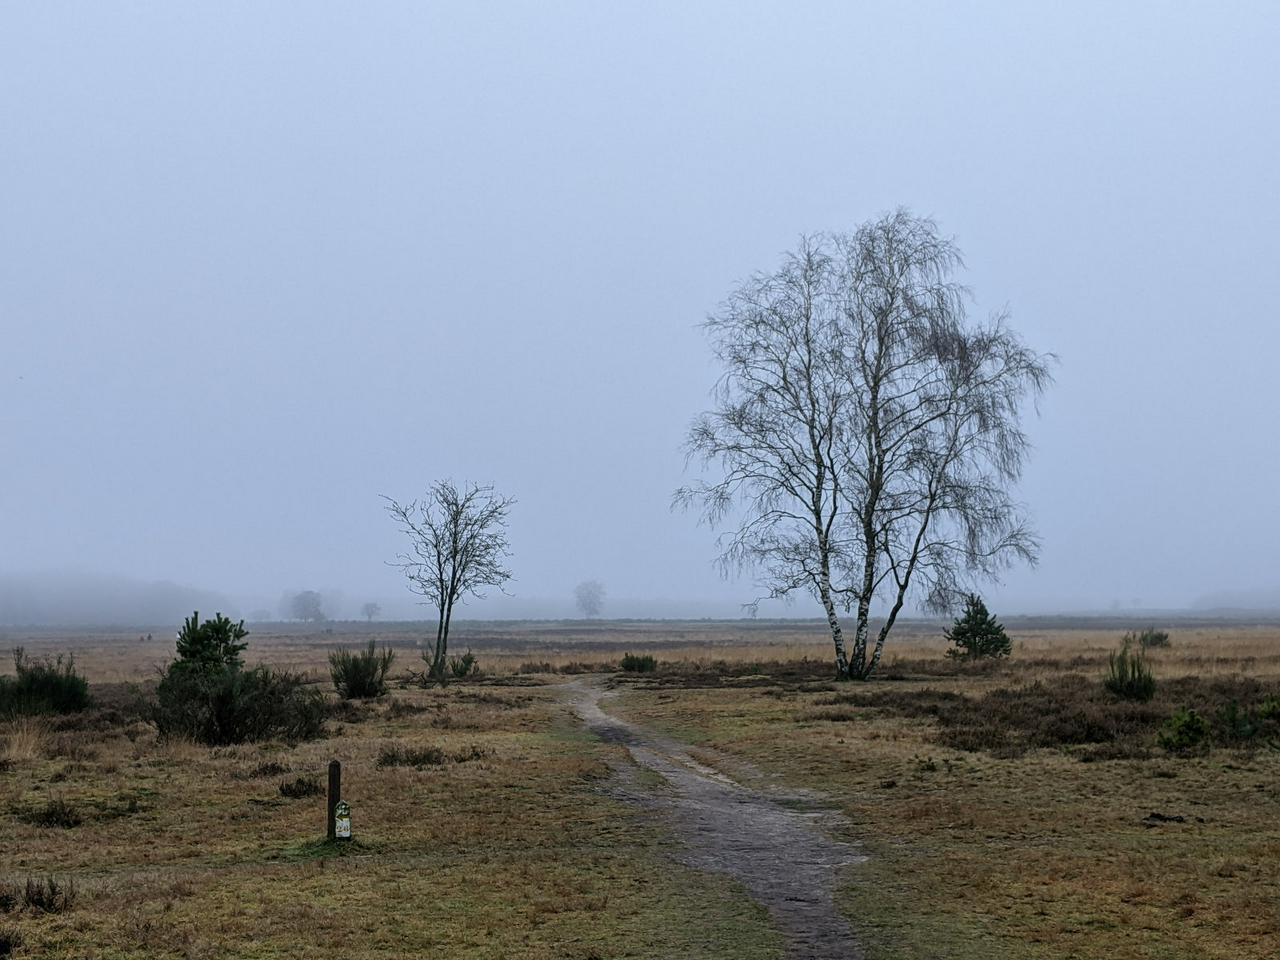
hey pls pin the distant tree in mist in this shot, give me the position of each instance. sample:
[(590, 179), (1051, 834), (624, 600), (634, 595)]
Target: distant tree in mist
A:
[(371, 611), (865, 434), (457, 547), (589, 595), (307, 605)]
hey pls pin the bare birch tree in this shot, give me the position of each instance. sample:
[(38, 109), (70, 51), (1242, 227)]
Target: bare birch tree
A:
[(867, 434), (457, 547)]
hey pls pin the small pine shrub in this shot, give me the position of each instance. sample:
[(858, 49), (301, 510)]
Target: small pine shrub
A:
[(1148, 639), (362, 674), (639, 663), (43, 685), (1236, 724), (10, 898), (55, 813), (467, 665), (222, 705), (1128, 676), (49, 896), (301, 788), (1184, 732), (217, 642), (976, 634)]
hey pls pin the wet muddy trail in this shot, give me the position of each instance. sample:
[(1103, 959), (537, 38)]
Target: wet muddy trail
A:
[(775, 844)]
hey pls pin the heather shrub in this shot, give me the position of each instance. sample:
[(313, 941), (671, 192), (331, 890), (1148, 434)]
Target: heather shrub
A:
[(1148, 638), (221, 705), (300, 788), (49, 895), (639, 663)]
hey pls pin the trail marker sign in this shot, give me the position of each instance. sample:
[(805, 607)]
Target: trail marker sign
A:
[(342, 821)]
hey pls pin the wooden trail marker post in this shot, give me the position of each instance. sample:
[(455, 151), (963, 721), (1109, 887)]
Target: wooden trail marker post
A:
[(335, 801)]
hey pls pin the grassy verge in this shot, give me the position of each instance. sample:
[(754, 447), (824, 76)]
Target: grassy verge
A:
[(503, 840), (1014, 848)]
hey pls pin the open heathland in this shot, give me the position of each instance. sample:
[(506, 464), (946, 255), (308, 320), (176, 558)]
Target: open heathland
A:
[(1005, 808)]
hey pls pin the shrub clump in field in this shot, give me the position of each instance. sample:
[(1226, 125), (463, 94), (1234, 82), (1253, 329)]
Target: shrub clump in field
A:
[(1128, 675), (1184, 732), (49, 896), (638, 663), (1148, 639), (10, 940), (419, 757), (268, 768), (219, 706), (467, 665), (43, 685), (209, 696), (362, 674), (976, 634), (55, 813), (300, 788)]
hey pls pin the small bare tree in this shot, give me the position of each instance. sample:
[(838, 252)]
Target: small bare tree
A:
[(457, 547), (867, 433), (589, 595), (371, 611)]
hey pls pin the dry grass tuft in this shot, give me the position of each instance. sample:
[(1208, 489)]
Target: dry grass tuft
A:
[(27, 740)]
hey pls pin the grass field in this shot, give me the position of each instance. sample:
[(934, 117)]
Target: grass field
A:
[(989, 830)]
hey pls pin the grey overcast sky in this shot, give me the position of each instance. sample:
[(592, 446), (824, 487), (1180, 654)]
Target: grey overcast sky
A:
[(261, 262)]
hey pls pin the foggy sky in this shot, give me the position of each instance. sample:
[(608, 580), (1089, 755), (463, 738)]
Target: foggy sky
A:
[(260, 263)]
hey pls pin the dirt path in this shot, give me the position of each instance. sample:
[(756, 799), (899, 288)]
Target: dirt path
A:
[(773, 844)]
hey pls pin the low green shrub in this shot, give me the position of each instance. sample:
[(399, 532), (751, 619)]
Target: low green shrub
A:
[(1148, 638), (10, 940), (400, 756), (268, 768), (43, 685), (1184, 732), (419, 757), (225, 704), (49, 896), (300, 788), (56, 813), (361, 674), (638, 663), (467, 665), (1128, 675)]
